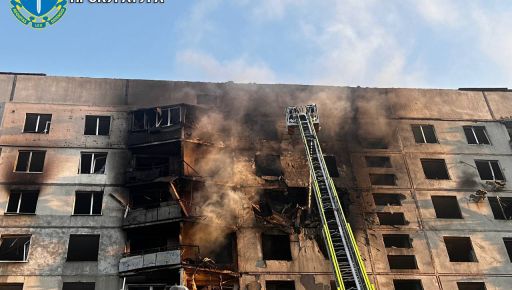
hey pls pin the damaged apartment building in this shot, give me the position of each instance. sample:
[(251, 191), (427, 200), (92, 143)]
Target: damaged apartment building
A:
[(114, 184)]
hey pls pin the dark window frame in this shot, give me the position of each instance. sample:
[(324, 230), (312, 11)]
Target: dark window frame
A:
[(18, 195), (38, 126), (390, 241), (474, 134), (423, 162), (270, 256), (454, 243), (378, 162), (438, 208), (93, 209), (392, 259), (504, 209), (78, 285), (418, 286), (471, 284), (420, 137), (72, 239), (97, 126), (28, 166), (92, 167), (493, 166), (392, 216), (26, 245)]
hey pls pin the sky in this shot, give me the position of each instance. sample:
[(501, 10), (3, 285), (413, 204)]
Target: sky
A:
[(368, 43)]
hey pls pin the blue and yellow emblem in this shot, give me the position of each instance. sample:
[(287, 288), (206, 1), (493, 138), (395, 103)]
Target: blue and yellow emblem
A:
[(38, 13)]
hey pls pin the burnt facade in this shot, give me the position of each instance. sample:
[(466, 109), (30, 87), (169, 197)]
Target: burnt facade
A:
[(144, 185)]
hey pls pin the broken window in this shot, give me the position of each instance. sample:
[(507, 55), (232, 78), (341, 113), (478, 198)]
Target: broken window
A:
[(476, 135), (408, 284), (402, 241), (330, 162), (508, 246), (30, 161), (168, 117), (401, 262), (471, 286), (88, 203), (446, 207), (204, 99), (93, 162), (268, 165), (14, 248), (391, 218), (11, 286), (501, 207), (387, 199), (382, 179), (22, 202), (424, 134), (460, 249), (378, 161), (97, 125), (489, 170), (139, 120), (276, 247), (37, 123), (280, 285), (83, 247), (78, 286), (435, 168)]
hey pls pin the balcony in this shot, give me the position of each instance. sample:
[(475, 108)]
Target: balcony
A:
[(143, 175), (155, 135), (165, 213), (157, 257)]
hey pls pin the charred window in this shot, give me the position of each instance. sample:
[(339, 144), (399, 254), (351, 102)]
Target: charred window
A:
[(424, 134), (280, 285), (402, 262), (268, 165), (168, 117), (391, 218), (378, 161), (401, 241), (435, 168), (93, 162), (408, 284), (97, 125), (207, 100), (471, 286), (387, 199), (476, 135), (139, 121), (37, 123), (276, 247), (373, 143), (11, 286), (30, 161), (14, 248), (155, 117), (330, 162), (83, 248), (225, 253), (382, 179), (446, 207), (508, 246), (22, 202), (489, 170), (460, 249), (501, 207), (88, 203), (78, 286)]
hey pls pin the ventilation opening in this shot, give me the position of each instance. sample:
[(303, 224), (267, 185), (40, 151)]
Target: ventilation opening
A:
[(97, 125), (11, 286), (471, 286), (78, 286), (378, 161), (446, 207), (280, 285), (476, 135), (268, 165), (88, 203), (330, 162), (387, 199), (391, 219), (424, 134), (382, 179), (435, 168), (407, 284), (501, 207), (402, 262), (489, 170), (460, 249), (22, 202), (276, 247), (401, 241), (83, 247), (14, 248), (508, 246)]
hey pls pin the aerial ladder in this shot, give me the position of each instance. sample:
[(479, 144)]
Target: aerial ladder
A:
[(348, 266)]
